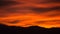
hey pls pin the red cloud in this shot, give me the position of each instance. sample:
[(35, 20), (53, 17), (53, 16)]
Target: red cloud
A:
[(27, 13)]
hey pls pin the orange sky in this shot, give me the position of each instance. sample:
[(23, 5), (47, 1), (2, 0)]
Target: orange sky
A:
[(25, 13)]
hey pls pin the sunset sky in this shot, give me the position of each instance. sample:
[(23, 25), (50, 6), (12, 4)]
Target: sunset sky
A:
[(25, 13)]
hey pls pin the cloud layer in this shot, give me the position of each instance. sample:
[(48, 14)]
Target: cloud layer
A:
[(25, 13)]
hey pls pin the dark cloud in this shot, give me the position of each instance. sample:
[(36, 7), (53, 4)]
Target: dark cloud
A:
[(7, 11), (42, 10), (56, 20), (12, 10), (47, 1), (53, 15), (53, 1), (10, 21), (8, 3), (14, 21), (5, 3), (56, 8), (42, 22), (39, 10)]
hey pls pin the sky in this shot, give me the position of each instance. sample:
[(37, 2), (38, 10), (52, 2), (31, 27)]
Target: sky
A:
[(25, 13)]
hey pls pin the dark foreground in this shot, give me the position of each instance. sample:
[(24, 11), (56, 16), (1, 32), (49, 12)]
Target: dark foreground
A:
[(29, 30)]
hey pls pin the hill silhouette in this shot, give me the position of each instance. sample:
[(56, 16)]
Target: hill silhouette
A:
[(31, 29)]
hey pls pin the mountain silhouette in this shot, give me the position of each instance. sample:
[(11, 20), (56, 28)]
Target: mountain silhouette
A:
[(31, 29)]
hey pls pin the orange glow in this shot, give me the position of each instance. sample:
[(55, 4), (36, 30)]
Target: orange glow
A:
[(23, 16)]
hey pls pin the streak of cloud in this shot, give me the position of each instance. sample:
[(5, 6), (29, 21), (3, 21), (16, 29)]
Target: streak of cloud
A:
[(46, 1), (42, 10)]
